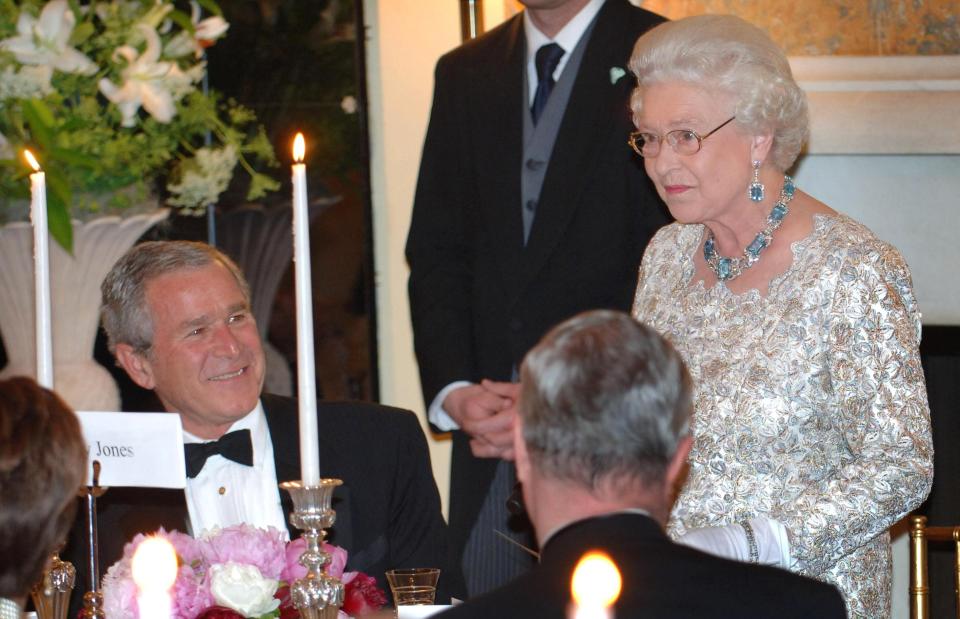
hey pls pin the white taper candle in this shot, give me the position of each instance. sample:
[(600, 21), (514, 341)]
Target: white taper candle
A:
[(306, 376), (41, 271)]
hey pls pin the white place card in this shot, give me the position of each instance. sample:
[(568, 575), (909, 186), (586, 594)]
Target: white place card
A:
[(419, 612), (135, 449)]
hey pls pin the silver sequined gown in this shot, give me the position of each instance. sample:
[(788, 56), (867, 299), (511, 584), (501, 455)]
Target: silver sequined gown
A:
[(810, 403)]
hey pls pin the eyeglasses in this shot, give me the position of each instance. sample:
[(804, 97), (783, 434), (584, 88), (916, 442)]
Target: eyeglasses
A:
[(683, 141)]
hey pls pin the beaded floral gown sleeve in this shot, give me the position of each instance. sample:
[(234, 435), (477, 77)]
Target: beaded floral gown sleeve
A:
[(810, 403)]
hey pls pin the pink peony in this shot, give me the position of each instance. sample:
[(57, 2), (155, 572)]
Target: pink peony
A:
[(188, 549), (242, 543), (119, 591), (191, 593), (338, 560), (293, 570)]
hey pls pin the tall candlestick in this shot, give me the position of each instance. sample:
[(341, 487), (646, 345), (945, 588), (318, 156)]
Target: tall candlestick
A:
[(41, 271), (306, 377)]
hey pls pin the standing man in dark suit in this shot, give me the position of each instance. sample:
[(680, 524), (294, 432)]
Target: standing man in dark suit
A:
[(178, 318), (601, 438), (529, 208)]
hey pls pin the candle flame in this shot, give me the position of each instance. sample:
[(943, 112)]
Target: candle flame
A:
[(31, 160), (299, 148), (596, 581), (154, 565)]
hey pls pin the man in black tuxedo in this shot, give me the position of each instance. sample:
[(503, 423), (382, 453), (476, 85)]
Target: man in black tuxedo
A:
[(530, 207), (178, 318), (601, 439)]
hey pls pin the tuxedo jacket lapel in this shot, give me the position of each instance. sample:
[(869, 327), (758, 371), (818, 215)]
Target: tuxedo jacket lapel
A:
[(286, 456), (594, 110), (499, 148)]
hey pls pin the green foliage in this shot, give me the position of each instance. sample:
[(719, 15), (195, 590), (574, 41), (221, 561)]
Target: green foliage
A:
[(99, 127)]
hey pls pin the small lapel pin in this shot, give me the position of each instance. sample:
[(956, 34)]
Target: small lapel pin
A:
[(616, 73)]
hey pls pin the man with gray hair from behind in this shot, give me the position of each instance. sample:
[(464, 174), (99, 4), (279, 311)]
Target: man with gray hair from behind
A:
[(601, 445)]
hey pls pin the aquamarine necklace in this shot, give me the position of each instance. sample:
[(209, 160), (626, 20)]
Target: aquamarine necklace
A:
[(731, 268)]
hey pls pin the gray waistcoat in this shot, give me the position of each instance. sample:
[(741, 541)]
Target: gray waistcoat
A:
[(538, 139)]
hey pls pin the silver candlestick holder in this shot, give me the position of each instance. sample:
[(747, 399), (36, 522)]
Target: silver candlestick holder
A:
[(51, 596), (317, 595)]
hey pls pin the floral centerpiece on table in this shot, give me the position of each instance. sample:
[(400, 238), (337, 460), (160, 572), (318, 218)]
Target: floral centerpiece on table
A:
[(109, 97), (240, 571)]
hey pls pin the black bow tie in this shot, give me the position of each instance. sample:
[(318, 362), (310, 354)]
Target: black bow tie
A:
[(234, 446)]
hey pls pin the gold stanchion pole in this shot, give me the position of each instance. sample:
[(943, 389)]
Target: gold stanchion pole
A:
[(93, 598), (471, 19)]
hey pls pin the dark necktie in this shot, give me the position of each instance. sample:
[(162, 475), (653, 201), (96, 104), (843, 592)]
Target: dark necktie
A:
[(234, 446), (548, 56)]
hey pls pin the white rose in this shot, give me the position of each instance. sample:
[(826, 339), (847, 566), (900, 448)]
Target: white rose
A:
[(243, 588)]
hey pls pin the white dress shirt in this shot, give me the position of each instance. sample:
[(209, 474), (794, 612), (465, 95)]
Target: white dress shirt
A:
[(568, 38), (226, 493)]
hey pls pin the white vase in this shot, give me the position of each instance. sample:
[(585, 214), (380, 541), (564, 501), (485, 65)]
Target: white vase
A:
[(75, 304)]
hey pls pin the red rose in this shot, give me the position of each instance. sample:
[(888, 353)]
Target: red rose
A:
[(219, 612), (361, 595), (287, 610)]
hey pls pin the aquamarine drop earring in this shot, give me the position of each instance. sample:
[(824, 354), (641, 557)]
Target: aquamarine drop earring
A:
[(755, 190)]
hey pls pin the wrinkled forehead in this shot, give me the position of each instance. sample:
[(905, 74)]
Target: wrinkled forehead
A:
[(211, 289)]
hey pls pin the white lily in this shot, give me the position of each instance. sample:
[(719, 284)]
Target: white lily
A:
[(205, 32), (43, 41), (148, 82)]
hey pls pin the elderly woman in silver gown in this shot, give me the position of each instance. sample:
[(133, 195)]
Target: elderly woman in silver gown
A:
[(811, 427)]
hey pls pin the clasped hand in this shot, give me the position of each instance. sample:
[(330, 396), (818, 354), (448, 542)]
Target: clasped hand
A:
[(487, 413)]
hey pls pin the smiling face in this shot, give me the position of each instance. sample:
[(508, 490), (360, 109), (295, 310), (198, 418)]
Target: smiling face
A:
[(712, 183), (206, 361)]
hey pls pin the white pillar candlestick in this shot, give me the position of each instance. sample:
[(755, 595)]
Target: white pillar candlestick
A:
[(41, 262), (306, 376)]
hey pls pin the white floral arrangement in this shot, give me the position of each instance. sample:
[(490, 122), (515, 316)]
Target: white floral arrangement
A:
[(108, 96)]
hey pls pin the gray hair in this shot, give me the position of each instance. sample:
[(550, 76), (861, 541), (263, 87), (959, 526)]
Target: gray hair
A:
[(726, 53), (124, 312), (604, 397)]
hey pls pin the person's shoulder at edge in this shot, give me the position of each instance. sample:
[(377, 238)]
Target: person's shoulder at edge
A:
[(369, 416), (759, 588), (855, 245), (764, 591), (356, 412), (508, 600), (477, 51)]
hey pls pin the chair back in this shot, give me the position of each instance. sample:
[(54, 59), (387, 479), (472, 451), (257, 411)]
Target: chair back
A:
[(920, 534)]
